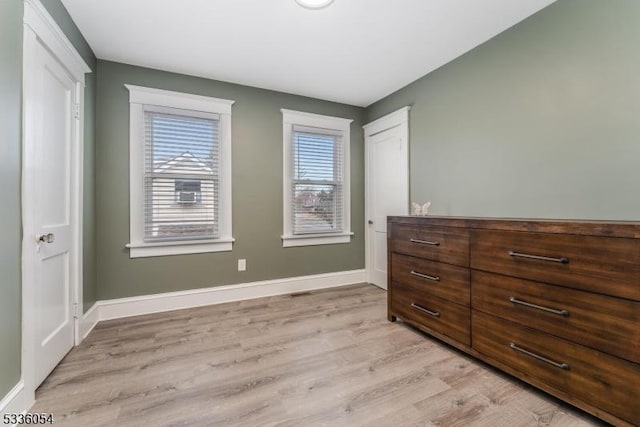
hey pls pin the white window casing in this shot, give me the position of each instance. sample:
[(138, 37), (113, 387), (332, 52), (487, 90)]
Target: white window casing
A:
[(316, 184), (180, 173)]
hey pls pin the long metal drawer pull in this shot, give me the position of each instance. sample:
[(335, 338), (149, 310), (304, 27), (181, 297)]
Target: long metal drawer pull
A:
[(561, 260), (539, 307), (424, 310), (537, 356), (424, 242), (425, 276)]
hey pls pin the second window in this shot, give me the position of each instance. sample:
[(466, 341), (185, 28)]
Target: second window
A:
[(316, 185)]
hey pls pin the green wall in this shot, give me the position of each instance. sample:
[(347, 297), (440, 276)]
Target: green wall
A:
[(257, 191), (541, 121), (62, 18), (10, 215)]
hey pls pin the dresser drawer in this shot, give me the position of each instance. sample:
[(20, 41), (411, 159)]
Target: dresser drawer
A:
[(442, 280), (593, 377), (605, 265), (436, 314), (601, 322), (444, 244)]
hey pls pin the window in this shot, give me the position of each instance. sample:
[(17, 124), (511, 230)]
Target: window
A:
[(316, 179), (180, 173)]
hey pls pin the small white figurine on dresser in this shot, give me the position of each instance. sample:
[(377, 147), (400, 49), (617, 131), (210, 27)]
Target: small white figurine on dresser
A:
[(420, 210)]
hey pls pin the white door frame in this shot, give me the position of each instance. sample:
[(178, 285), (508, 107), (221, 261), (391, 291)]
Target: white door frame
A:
[(41, 29), (397, 118)]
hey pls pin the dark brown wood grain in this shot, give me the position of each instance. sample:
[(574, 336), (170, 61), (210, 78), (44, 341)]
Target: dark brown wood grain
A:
[(623, 229), (433, 220), (453, 320), (453, 283), (604, 323), (609, 266), (452, 247), (628, 229), (605, 381), (390, 316), (598, 286)]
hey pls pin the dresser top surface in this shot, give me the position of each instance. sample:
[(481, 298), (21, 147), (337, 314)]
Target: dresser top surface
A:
[(626, 229)]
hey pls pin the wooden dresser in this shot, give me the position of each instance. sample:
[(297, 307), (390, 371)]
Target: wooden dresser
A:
[(554, 303)]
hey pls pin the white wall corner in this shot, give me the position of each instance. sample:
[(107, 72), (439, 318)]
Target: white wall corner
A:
[(88, 321), (147, 304), (15, 402)]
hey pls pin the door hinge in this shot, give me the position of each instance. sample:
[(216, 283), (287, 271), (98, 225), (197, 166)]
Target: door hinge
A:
[(76, 315), (76, 110)]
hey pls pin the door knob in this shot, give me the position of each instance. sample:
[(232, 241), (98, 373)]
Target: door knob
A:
[(47, 238), (370, 222)]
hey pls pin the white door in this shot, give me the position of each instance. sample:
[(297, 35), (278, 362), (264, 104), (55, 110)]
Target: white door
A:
[(387, 190), (53, 96)]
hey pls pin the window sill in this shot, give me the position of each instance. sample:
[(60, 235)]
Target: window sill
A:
[(142, 250), (315, 239)]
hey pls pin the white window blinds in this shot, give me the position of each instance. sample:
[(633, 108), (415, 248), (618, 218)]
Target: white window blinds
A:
[(317, 202), (181, 175)]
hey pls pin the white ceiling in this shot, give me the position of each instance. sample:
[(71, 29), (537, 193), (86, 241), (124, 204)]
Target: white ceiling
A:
[(354, 51)]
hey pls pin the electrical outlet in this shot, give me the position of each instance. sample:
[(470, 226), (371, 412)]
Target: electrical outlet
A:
[(242, 265)]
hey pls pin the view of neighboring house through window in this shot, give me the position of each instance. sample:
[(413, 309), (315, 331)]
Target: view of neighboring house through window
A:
[(180, 173), (181, 177), (316, 179)]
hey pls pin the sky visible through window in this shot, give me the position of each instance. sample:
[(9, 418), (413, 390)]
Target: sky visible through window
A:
[(174, 135), (313, 157)]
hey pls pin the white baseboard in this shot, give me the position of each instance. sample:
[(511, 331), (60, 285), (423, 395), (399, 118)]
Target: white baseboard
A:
[(147, 304), (88, 321), (14, 401)]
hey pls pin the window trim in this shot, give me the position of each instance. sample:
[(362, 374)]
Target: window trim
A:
[(139, 97), (291, 118)]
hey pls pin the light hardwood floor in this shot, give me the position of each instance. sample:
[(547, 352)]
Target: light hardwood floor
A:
[(323, 358)]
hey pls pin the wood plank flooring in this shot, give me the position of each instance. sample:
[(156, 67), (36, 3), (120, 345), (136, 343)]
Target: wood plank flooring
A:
[(326, 358)]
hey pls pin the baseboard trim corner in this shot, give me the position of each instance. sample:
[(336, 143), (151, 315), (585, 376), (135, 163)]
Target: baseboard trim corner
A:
[(14, 401), (148, 304), (89, 320)]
